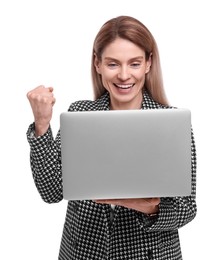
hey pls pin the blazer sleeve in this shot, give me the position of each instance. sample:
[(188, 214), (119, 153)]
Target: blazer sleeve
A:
[(45, 161), (177, 211), (45, 158)]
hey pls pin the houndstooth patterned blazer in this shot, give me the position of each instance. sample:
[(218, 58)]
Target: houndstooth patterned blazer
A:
[(89, 233)]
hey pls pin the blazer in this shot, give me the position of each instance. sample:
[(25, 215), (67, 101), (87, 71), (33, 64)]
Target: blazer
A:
[(89, 233)]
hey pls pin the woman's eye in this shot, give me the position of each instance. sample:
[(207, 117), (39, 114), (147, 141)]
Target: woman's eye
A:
[(136, 65), (112, 65)]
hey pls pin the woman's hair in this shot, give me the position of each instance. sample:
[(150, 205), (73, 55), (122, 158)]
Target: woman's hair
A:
[(131, 29)]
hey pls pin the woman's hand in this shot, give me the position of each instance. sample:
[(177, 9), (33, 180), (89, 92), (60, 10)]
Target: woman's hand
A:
[(41, 100), (144, 205)]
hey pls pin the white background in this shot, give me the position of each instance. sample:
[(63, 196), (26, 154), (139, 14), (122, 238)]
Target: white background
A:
[(49, 42)]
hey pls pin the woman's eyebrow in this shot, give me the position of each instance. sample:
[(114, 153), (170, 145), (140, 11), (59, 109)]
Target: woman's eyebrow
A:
[(134, 58)]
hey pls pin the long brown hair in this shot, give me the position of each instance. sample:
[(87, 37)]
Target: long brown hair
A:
[(131, 29)]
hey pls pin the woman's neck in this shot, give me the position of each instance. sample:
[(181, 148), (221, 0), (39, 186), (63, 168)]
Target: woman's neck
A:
[(133, 104)]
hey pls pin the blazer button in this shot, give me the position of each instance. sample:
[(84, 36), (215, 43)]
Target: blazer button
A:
[(75, 243), (75, 206), (149, 254)]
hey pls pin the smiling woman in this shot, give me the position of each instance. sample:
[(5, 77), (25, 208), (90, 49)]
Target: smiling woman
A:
[(126, 74), (128, 45)]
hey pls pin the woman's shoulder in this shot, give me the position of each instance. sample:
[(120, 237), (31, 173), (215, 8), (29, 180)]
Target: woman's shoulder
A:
[(101, 103), (82, 105)]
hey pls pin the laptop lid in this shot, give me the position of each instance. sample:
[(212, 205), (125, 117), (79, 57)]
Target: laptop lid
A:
[(126, 153)]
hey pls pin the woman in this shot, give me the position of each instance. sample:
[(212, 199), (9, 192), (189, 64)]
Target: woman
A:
[(126, 74)]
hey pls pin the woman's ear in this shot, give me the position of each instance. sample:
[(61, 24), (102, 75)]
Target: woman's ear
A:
[(148, 63), (97, 64)]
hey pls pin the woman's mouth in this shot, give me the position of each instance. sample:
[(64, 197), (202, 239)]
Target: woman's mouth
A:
[(124, 86)]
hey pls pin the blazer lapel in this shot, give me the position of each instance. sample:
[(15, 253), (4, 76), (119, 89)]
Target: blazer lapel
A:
[(103, 103), (148, 102)]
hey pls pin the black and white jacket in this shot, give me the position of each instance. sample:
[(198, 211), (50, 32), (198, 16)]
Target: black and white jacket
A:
[(88, 232)]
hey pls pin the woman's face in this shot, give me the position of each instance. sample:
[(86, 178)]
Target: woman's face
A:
[(122, 69)]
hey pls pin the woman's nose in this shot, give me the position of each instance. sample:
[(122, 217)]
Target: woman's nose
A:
[(124, 73)]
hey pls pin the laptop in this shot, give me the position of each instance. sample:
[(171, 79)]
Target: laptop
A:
[(126, 153)]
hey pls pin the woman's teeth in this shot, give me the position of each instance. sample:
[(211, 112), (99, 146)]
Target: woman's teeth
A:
[(124, 86)]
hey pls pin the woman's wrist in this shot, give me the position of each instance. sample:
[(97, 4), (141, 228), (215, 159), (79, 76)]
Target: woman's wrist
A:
[(154, 211), (40, 129)]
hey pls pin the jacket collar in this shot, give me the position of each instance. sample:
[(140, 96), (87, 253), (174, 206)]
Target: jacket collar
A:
[(148, 102)]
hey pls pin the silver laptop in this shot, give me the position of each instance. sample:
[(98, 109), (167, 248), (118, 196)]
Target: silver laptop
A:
[(126, 153)]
